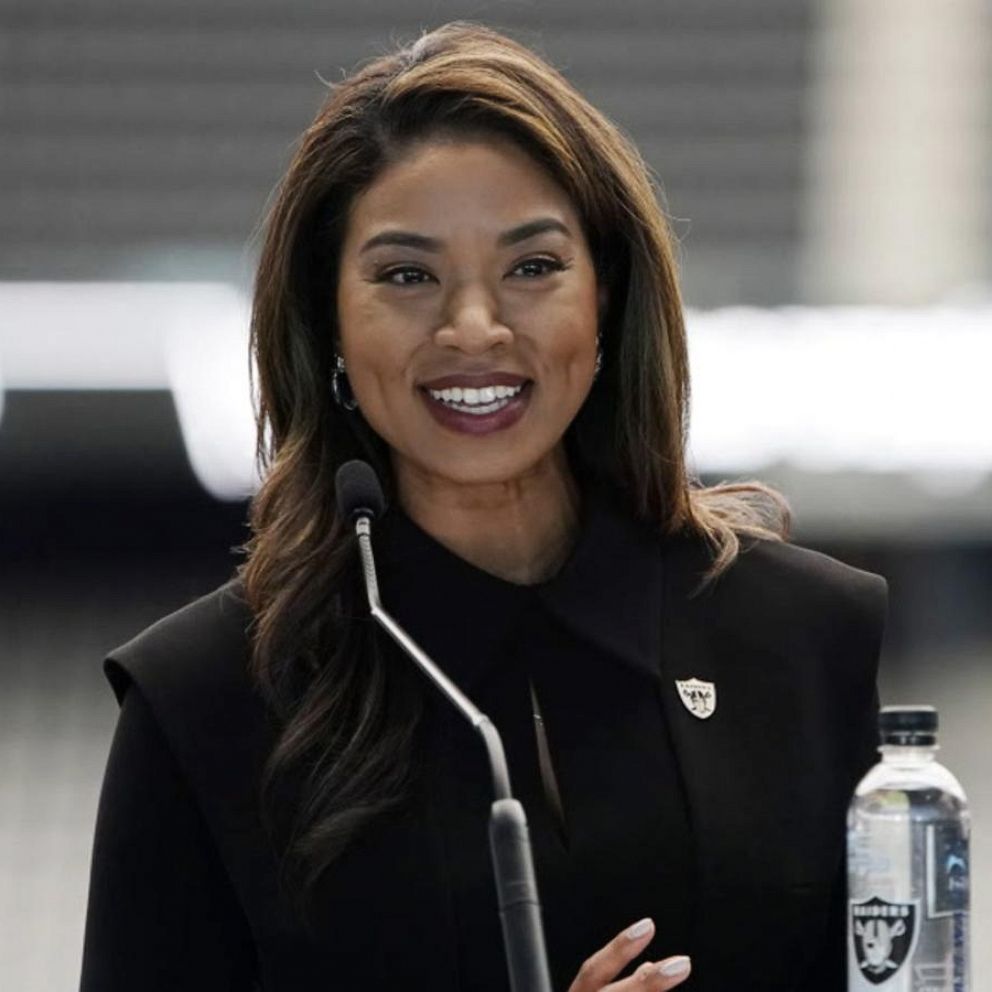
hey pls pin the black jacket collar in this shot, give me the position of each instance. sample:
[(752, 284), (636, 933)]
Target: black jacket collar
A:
[(607, 592)]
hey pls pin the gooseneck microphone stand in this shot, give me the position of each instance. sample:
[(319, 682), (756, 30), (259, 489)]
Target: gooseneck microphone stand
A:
[(360, 499)]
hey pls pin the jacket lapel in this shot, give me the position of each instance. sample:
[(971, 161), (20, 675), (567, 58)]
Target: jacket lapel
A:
[(753, 880)]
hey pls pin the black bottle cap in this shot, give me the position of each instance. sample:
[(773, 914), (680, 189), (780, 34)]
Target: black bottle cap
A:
[(908, 726)]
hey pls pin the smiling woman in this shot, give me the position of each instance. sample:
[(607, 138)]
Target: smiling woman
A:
[(498, 302), (467, 280)]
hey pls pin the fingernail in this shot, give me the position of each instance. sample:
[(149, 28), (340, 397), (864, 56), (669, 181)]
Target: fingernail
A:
[(639, 929), (674, 967)]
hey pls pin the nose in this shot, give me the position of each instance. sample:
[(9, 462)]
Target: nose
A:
[(472, 325)]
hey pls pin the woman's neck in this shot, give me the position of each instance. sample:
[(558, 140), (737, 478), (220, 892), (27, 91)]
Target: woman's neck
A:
[(521, 530)]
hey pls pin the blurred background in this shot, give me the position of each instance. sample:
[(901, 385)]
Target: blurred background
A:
[(828, 170)]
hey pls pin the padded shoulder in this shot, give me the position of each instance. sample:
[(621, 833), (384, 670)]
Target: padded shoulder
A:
[(779, 594), (191, 667), (791, 572), (201, 647)]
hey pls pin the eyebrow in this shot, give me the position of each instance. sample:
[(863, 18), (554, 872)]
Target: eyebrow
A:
[(408, 239)]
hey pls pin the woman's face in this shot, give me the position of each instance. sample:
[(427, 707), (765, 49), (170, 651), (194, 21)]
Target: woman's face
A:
[(467, 306)]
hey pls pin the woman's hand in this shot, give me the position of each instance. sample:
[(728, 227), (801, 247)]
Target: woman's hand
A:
[(597, 972)]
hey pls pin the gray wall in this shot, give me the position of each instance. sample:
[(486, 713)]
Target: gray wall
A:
[(142, 138)]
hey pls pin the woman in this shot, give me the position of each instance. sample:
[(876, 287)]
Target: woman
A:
[(467, 281)]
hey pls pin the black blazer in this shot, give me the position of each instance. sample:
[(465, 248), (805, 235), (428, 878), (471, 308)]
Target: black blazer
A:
[(789, 636)]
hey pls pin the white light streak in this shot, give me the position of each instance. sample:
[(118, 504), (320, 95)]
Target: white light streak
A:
[(828, 389), (863, 389)]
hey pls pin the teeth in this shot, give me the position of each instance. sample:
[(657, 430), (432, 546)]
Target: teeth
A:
[(480, 408), (484, 400)]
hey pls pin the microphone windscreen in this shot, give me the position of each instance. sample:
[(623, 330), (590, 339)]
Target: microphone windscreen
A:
[(358, 490)]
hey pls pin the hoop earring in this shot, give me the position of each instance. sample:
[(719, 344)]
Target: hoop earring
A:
[(340, 388)]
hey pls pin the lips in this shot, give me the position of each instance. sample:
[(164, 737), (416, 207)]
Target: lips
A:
[(475, 380), (481, 411)]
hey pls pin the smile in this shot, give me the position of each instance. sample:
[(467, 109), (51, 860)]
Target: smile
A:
[(478, 410), (478, 402)]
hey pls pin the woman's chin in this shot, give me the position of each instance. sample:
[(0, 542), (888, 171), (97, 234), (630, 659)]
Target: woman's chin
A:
[(510, 463)]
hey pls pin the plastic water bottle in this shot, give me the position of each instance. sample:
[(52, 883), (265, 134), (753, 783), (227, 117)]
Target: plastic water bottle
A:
[(907, 865)]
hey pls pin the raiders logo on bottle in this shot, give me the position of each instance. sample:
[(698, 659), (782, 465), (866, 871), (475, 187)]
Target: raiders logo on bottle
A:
[(884, 934)]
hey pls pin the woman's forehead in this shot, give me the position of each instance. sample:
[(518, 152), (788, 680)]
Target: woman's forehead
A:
[(438, 187)]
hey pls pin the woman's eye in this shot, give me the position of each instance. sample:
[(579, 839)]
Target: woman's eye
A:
[(540, 266), (419, 276), (408, 275)]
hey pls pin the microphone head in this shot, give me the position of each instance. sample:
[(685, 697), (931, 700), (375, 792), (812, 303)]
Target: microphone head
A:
[(358, 490)]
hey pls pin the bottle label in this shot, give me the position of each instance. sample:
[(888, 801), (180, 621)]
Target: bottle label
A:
[(884, 935), (947, 870)]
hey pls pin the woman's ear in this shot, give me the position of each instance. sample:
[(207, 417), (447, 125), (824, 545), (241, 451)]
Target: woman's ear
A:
[(603, 298)]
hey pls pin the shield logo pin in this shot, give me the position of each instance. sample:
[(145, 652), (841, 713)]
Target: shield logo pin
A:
[(698, 697)]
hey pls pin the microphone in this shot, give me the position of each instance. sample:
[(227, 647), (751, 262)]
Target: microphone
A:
[(360, 501), (358, 491)]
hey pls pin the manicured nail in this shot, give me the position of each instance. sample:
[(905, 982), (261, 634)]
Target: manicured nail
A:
[(639, 929), (674, 967)]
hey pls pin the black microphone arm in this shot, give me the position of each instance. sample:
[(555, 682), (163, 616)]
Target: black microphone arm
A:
[(360, 500)]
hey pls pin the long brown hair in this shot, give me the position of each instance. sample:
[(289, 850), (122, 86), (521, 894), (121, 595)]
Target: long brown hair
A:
[(348, 719)]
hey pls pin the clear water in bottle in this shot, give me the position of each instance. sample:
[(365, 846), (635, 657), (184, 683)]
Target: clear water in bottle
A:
[(907, 865)]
